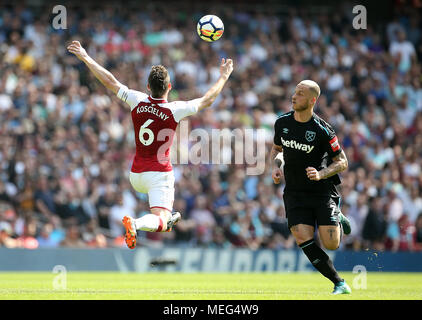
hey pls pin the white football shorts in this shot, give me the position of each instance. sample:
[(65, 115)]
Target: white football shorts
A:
[(158, 185)]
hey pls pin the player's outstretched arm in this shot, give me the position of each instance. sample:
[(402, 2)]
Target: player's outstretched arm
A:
[(103, 75), (226, 69)]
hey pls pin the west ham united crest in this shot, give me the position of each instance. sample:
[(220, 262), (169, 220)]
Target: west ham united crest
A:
[(310, 136)]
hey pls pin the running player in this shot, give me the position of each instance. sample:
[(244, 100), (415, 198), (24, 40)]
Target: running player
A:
[(154, 121), (311, 156)]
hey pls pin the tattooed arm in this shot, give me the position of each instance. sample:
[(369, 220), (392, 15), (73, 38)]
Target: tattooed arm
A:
[(339, 164)]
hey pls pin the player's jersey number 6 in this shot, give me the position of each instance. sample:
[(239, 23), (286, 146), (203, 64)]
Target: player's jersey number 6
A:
[(144, 130)]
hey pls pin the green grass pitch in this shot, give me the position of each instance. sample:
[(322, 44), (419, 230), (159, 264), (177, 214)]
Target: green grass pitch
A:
[(198, 286)]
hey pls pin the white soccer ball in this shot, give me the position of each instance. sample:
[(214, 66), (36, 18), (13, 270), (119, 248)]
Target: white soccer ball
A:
[(210, 28)]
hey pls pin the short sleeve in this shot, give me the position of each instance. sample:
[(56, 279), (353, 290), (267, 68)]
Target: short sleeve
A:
[(131, 97), (182, 109), (277, 140)]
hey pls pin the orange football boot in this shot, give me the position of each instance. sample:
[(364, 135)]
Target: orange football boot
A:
[(130, 235)]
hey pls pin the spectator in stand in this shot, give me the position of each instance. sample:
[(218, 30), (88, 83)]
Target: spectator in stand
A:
[(403, 52), (400, 235), (6, 239), (28, 239), (375, 226), (103, 206), (418, 233), (45, 239), (73, 237), (44, 199), (204, 221), (117, 212)]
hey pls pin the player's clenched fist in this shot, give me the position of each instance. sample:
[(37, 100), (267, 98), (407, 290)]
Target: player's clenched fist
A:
[(76, 48), (277, 175), (313, 174)]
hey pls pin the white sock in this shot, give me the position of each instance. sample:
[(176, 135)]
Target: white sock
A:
[(149, 222)]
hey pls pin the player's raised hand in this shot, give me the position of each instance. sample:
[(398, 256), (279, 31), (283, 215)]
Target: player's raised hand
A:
[(313, 174), (76, 48), (226, 67), (277, 175)]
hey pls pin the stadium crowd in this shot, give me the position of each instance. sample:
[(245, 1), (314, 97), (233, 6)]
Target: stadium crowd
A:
[(66, 144)]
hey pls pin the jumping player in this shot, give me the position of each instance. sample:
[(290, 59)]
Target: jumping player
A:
[(154, 121), (311, 156)]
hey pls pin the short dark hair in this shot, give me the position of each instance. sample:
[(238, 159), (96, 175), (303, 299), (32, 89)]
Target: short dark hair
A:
[(158, 81)]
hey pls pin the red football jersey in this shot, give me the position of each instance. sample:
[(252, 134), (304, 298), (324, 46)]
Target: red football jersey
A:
[(155, 122)]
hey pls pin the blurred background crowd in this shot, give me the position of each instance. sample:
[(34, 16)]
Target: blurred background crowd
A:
[(66, 144)]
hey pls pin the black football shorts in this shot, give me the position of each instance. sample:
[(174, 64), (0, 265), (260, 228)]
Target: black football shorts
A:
[(313, 211)]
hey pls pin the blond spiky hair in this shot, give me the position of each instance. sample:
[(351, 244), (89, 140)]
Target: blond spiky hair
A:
[(313, 86)]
